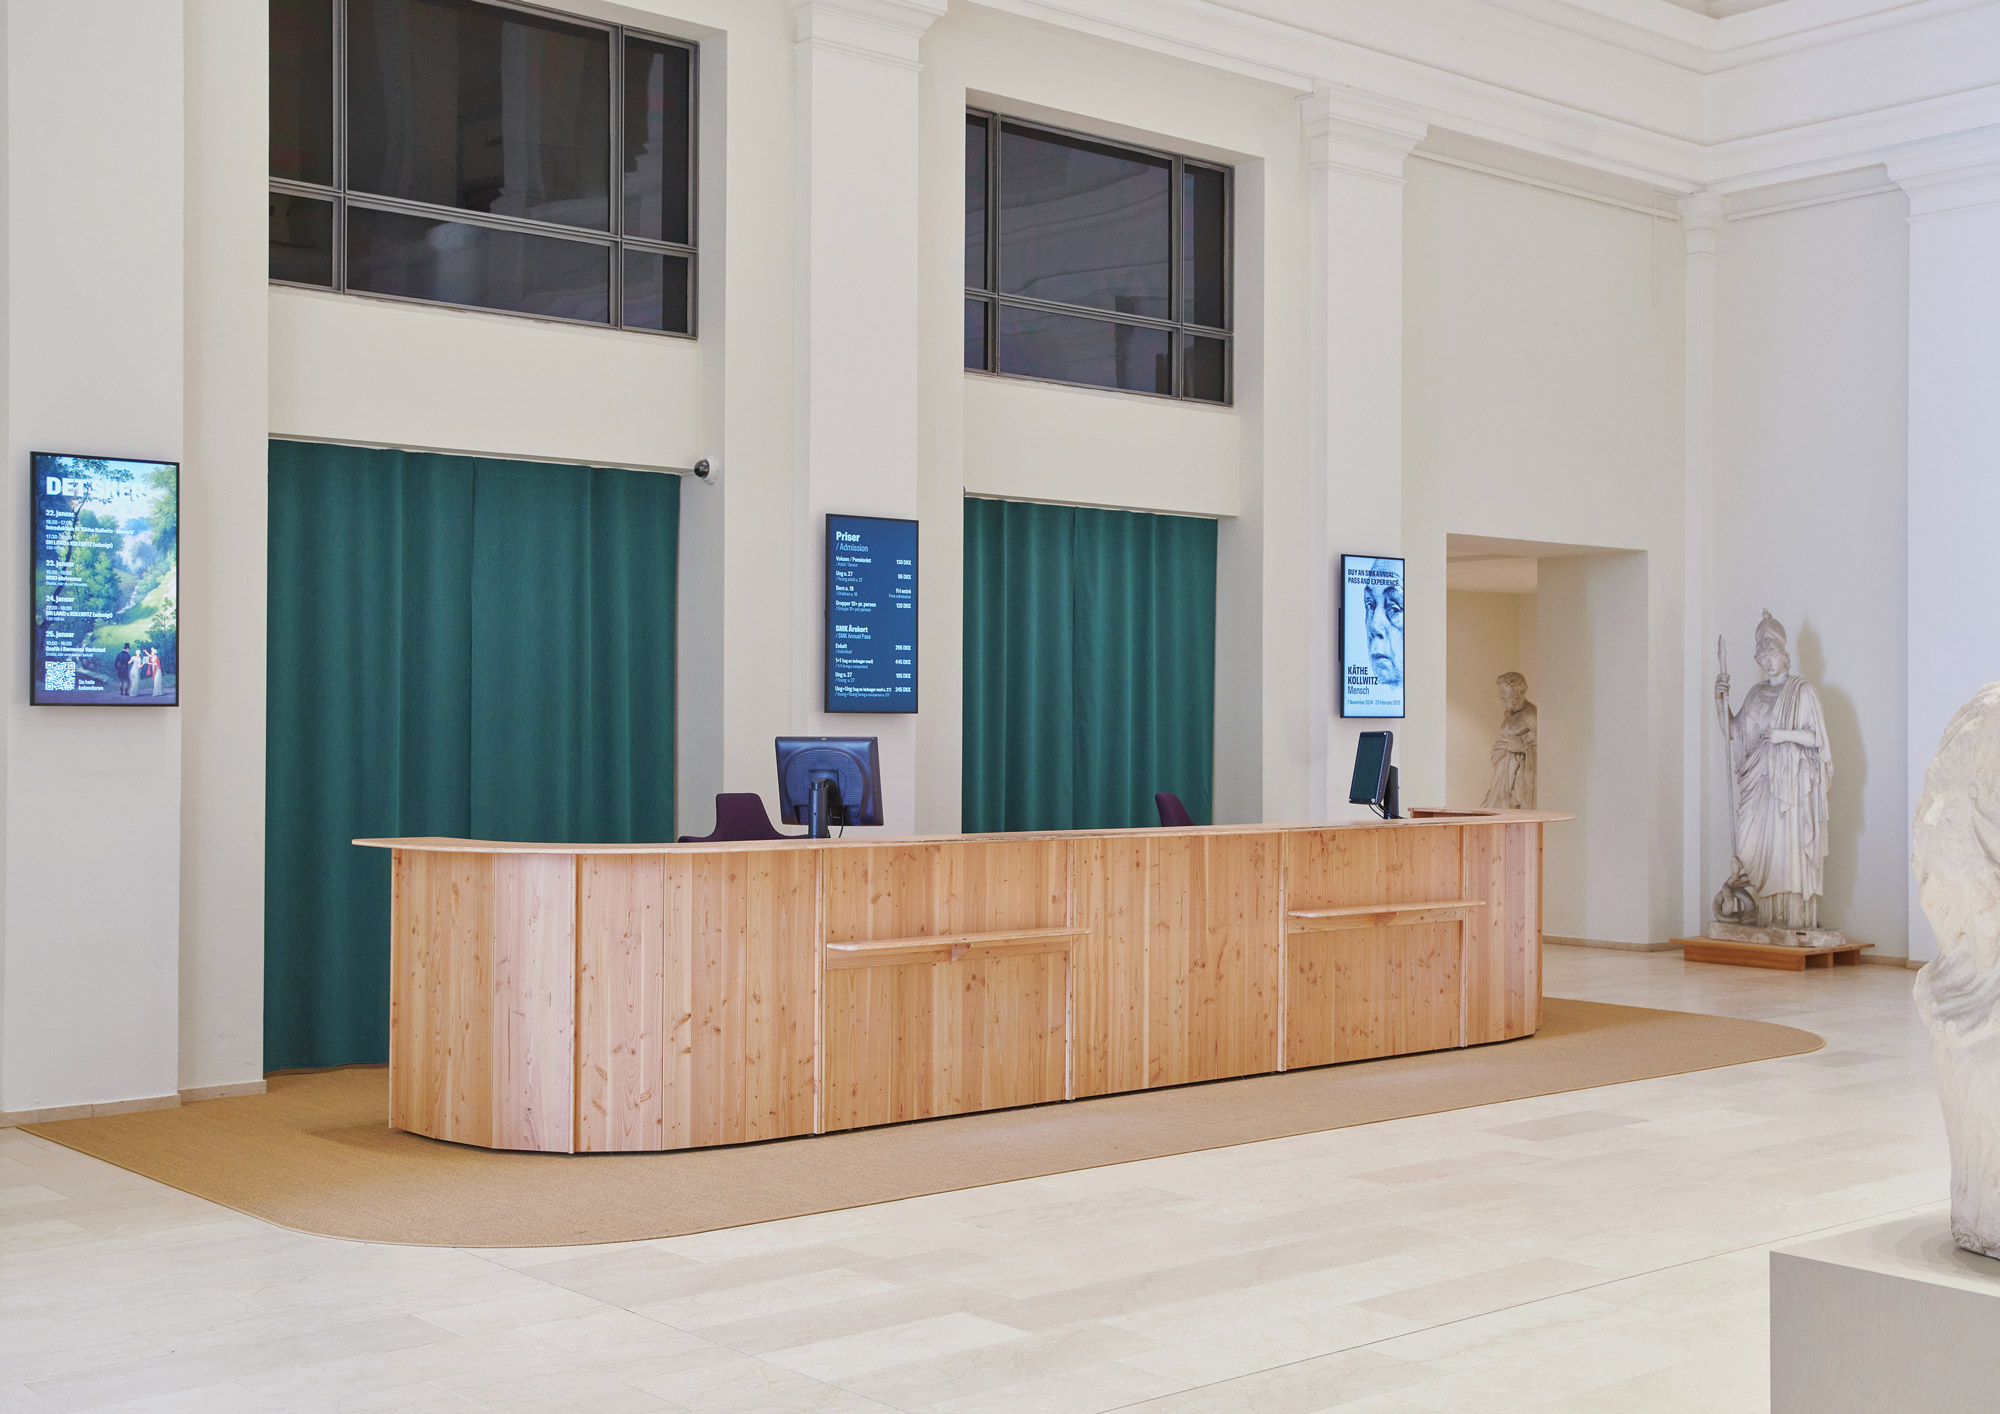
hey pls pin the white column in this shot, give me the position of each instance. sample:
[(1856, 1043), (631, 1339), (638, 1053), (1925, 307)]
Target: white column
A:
[(1701, 220), (857, 112), (1954, 447), (1358, 143), (93, 274)]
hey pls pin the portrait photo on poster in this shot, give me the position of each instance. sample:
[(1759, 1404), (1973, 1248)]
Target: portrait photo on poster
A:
[(1371, 636), (105, 582)]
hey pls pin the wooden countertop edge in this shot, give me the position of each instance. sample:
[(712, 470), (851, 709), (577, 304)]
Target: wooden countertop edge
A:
[(442, 845)]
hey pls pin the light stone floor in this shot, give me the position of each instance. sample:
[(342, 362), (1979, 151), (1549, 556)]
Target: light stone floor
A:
[(1598, 1251)]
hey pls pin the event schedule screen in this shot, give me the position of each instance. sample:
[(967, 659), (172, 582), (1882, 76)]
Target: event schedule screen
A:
[(106, 602), (871, 614)]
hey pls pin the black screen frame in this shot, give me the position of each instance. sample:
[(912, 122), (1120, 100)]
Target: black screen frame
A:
[(916, 613), (1340, 640), (1388, 765), (35, 699)]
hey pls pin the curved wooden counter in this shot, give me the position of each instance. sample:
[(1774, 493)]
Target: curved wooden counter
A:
[(574, 998)]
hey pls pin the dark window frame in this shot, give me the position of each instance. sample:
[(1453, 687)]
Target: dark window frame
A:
[(613, 241), (1178, 328)]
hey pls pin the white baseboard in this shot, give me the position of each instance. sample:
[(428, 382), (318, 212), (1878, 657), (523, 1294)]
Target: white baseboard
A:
[(222, 1092), (110, 1107), (1606, 943)]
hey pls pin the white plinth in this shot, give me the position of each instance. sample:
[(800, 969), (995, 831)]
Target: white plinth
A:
[(1890, 1317)]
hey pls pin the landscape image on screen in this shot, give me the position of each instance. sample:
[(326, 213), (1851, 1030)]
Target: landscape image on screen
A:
[(107, 583)]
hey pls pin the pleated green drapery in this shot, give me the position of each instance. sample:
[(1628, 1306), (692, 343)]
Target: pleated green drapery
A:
[(1089, 666), (457, 646)]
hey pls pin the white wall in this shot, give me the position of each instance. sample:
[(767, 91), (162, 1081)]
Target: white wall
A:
[(1030, 441), (1542, 403), (94, 364), (1812, 310), (1486, 635)]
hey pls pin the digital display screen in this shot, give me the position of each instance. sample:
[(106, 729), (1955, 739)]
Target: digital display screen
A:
[(106, 598), (1371, 636), (1371, 768), (871, 614)]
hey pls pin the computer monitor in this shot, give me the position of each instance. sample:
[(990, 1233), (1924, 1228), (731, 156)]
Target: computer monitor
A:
[(1374, 777), (829, 780)]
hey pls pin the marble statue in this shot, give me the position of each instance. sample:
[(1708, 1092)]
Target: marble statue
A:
[(1513, 785), (1780, 766), (1957, 858)]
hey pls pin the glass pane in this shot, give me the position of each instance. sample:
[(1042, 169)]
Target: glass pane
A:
[(1203, 362), (656, 291), (659, 128), (484, 109), (302, 90), (977, 312), (301, 239), (1071, 349), (975, 204), (1204, 247), (420, 258), (1084, 223)]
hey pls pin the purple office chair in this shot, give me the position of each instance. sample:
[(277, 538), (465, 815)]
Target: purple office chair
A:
[(739, 815), (1173, 815)]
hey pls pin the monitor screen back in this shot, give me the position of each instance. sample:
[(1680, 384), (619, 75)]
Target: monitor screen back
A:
[(1371, 768)]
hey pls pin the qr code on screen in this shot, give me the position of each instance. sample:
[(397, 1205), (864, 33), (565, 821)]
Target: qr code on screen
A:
[(59, 677)]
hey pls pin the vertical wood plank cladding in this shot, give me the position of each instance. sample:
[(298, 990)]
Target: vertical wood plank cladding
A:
[(441, 997), (741, 964), (1485, 937), (534, 991), (1110, 970), (1357, 993), (1523, 922), (912, 1041), (621, 1000), (1213, 957)]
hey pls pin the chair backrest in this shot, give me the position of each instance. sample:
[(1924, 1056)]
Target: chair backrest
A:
[(1172, 813), (739, 815)]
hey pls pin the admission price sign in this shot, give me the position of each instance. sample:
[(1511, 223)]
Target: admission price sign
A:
[(871, 614)]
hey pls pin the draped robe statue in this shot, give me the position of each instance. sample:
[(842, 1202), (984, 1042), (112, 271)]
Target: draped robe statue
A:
[(1513, 785), (1958, 995), (1781, 763)]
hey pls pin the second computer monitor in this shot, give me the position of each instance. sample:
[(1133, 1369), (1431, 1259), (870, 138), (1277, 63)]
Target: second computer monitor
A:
[(1374, 777), (845, 772)]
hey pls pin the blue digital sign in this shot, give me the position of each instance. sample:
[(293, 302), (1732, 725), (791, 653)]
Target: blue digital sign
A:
[(871, 614)]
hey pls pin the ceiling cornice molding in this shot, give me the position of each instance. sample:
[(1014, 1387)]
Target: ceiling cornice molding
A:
[(885, 31), (1362, 134), (1949, 176)]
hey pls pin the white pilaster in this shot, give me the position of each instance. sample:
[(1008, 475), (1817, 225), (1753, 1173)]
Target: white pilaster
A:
[(1701, 221), (1954, 447), (857, 120), (94, 364), (1358, 145)]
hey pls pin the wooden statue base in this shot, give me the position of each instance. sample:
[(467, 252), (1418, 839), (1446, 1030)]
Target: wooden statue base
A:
[(1763, 955)]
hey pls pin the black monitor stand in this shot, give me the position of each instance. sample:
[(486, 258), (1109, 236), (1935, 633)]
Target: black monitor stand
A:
[(820, 807), (1392, 798)]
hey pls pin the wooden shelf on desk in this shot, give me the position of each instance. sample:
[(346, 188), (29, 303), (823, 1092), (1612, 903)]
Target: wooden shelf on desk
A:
[(951, 947), (1380, 915)]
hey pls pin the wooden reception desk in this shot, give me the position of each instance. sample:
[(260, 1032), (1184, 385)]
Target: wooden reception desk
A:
[(640, 997)]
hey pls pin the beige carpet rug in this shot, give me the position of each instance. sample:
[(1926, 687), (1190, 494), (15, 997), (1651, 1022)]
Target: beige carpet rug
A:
[(315, 1154)]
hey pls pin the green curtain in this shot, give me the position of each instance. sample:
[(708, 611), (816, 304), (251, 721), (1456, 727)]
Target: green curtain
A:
[(1089, 666), (457, 646)]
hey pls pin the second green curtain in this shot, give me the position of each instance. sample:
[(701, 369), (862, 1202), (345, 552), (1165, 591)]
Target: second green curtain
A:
[(1089, 666)]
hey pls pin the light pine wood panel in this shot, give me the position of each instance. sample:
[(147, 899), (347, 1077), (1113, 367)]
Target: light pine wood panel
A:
[(1376, 992), (1214, 949), (482, 1004), (918, 1040), (741, 969), (1349, 868), (622, 1032), (1113, 903), (1355, 993), (1503, 940), (441, 996), (534, 990), (914, 1039)]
